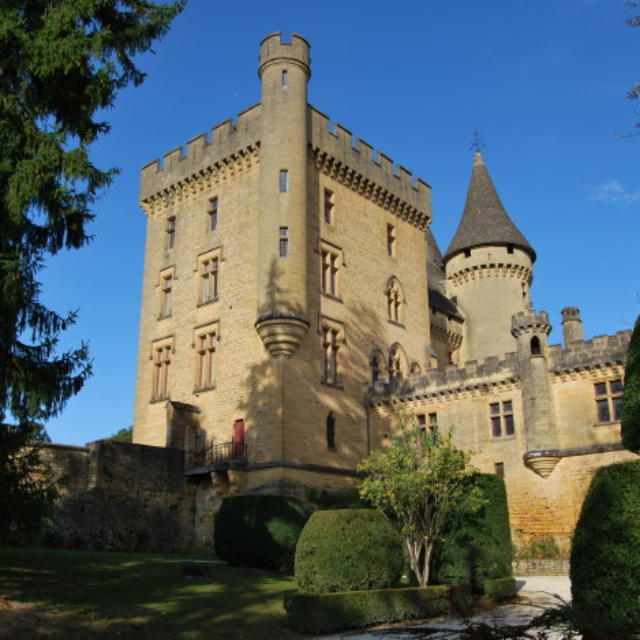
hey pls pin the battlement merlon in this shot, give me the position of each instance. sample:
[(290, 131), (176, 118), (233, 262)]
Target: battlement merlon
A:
[(274, 50), (228, 138), (474, 375), (582, 354), (373, 176)]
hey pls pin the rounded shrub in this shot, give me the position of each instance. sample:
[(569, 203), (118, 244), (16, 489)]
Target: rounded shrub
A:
[(605, 556), (259, 531), (348, 550), (476, 546)]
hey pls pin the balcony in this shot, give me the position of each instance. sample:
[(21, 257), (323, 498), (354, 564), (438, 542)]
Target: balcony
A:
[(216, 457)]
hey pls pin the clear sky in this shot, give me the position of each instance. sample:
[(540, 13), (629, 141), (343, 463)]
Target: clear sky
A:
[(544, 82)]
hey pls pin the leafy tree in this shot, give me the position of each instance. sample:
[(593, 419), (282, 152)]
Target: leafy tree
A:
[(419, 481), (62, 62), (122, 435), (630, 422)]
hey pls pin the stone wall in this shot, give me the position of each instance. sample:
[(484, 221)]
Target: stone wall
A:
[(115, 495)]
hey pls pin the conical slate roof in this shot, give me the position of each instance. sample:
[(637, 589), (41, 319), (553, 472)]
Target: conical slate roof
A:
[(484, 219)]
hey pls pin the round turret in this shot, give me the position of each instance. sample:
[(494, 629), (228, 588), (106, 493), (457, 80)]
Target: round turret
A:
[(572, 330), (488, 267), (282, 313)]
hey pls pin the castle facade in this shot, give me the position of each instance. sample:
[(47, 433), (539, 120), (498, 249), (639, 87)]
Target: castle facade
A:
[(293, 295)]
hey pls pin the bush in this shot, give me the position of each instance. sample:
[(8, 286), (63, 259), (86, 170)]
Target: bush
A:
[(348, 550), (327, 612), (630, 421), (605, 555), (544, 547), (476, 546), (259, 531)]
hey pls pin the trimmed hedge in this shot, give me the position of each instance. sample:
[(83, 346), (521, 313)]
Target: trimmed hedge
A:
[(499, 589), (477, 546), (605, 555), (259, 531), (348, 550), (327, 612)]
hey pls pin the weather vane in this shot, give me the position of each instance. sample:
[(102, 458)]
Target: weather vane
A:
[(476, 142)]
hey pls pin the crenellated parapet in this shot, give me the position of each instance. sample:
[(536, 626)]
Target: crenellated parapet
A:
[(530, 323), (597, 352), (375, 177), (473, 377), (234, 147)]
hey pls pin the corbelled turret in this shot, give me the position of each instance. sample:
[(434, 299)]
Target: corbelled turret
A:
[(488, 269)]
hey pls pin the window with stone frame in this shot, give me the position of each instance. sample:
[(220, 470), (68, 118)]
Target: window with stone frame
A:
[(212, 214), (397, 362), (395, 301), (378, 366), (166, 292), (501, 418), (391, 240), (209, 277), (161, 353), (331, 258), (170, 233), (608, 397), (328, 206), (332, 337), (206, 345)]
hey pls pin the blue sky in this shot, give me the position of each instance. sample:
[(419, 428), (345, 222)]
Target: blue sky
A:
[(544, 83)]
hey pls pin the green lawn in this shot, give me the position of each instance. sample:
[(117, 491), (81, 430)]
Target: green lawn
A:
[(82, 594)]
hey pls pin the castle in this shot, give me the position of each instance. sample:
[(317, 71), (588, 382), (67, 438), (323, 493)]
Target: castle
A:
[(294, 297)]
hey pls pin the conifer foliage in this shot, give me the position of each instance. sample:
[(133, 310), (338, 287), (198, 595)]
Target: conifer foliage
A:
[(60, 63), (630, 422)]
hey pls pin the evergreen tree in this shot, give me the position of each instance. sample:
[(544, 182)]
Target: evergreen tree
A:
[(60, 63), (630, 421)]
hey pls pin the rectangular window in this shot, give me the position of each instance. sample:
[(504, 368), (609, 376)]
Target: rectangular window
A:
[(206, 342), (330, 266), (330, 346), (208, 279), (284, 180), (499, 469), (328, 206), (501, 418), (170, 236), (391, 240), (433, 421), (284, 242), (608, 396), (166, 294), (285, 79), (161, 365), (213, 214)]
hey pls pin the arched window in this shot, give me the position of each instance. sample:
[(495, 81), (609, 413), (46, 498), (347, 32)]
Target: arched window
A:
[(535, 346), (378, 368), (397, 362), (415, 369), (395, 300), (331, 431)]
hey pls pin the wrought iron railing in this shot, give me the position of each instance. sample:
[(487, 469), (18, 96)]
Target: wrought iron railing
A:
[(218, 456)]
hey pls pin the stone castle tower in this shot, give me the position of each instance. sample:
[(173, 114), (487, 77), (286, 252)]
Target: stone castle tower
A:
[(293, 295)]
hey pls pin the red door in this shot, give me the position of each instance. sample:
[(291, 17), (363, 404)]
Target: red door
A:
[(238, 438)]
